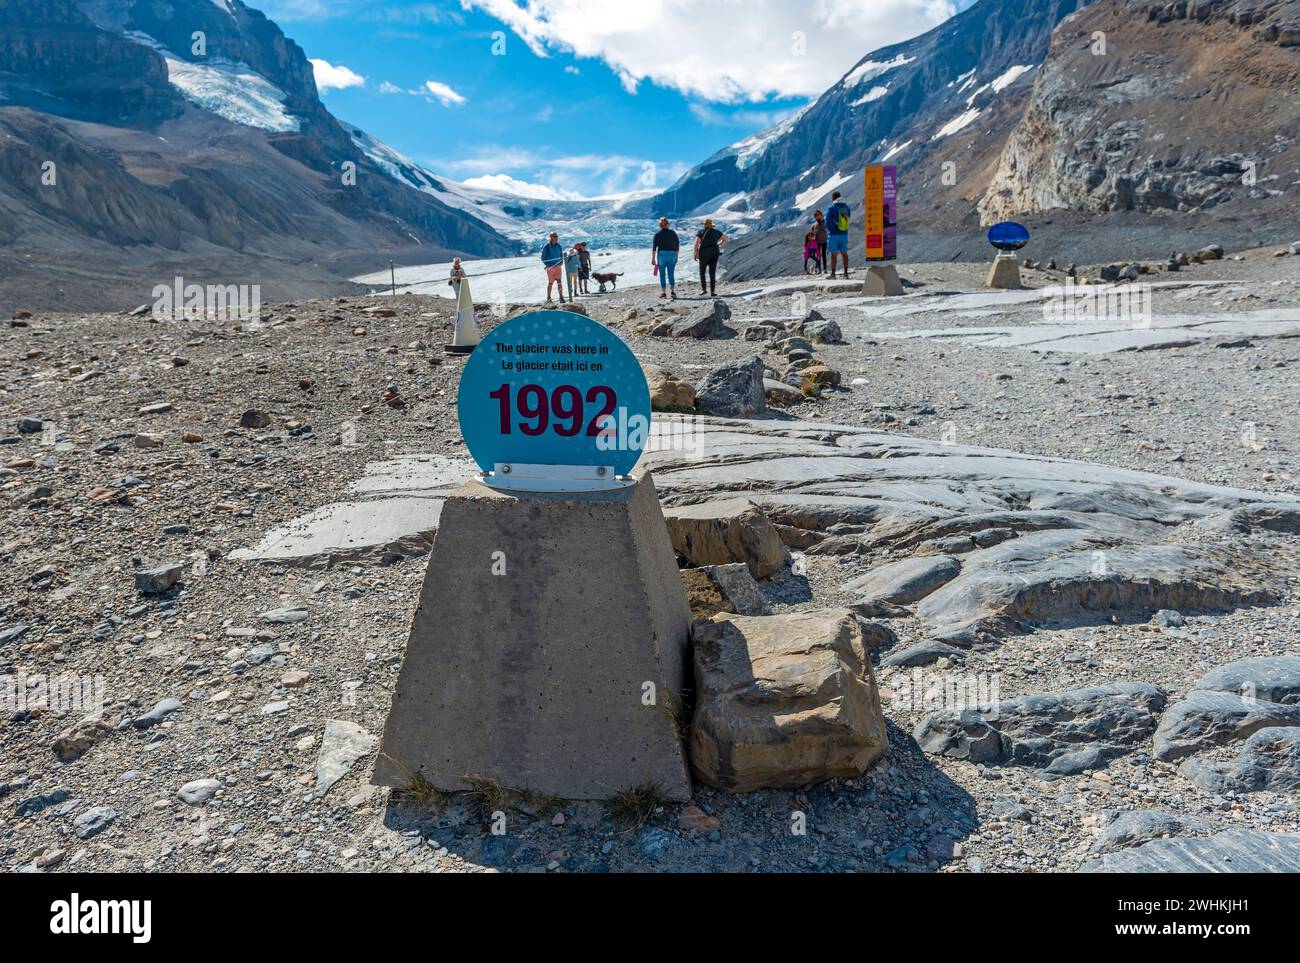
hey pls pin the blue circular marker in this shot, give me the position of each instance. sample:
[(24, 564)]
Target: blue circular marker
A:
[(554, 388), (1008, 236)]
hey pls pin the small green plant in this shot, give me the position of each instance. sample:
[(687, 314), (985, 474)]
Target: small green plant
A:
[(421, 792), (632, 808), (486, 795), (542, 803), (678, 712)]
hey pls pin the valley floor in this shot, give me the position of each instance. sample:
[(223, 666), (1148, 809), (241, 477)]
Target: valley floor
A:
[(142, 460)]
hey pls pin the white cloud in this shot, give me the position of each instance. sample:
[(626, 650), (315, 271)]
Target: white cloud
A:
[(331, 77), (388, 87), (584, 175), (721, 50), (512, 185), (443, 93)]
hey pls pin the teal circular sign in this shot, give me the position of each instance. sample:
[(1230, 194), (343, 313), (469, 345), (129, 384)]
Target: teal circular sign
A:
[(554, 388)]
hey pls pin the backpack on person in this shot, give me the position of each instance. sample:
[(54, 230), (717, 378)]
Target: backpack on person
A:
[(842, 218)]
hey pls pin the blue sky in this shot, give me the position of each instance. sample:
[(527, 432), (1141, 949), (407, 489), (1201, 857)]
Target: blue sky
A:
[(583, 97)]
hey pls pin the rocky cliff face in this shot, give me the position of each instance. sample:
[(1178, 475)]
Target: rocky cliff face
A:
[(53, 58), (1160, 108)]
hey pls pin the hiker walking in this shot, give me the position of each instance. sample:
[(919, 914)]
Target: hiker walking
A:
[(819, 235), (584, 266), (553, 261), (837, 234), (708, 248), (663, 255)]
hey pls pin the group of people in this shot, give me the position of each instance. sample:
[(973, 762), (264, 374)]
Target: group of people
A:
[(828, 239), (573, 265), (666, 247), (829, 236)]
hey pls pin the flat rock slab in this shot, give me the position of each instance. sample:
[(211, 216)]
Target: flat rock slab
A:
[(906, 580), (342, 745), (1051, 330), (1233, 851), (1139, 826), (393, 516), (1039, 541)]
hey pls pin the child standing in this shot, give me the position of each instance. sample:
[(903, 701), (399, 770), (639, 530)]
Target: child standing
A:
[(572, 264), (584, 266), (811, 252)]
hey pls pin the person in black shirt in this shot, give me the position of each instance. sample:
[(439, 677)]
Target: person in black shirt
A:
[(663, 255), (708, 248)]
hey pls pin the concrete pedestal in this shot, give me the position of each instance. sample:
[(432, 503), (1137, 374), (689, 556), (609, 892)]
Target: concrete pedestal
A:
[(882, 281), (534, 676), (1004, 273)]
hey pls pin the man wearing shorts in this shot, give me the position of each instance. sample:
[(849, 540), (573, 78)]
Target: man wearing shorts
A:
[(837, 232), (553, 261)]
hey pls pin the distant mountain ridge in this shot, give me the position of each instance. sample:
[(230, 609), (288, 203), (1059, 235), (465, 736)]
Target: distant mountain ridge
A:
[(225, 159)]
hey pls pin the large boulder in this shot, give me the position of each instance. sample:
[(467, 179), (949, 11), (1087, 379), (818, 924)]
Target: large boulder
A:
[(1205, 719), (1064, 733), (708, 321), (783, 701), (730, 530), (667, 391), (820, 330), (733, 391)]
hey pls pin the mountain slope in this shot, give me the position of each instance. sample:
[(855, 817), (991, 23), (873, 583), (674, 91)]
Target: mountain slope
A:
[(1133, 127), (952, 93), (219, 162)]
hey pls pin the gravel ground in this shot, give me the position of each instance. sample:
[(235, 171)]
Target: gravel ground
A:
[(95, 493)]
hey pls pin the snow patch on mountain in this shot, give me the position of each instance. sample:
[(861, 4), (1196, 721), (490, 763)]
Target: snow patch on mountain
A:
[(751, 148), (234, 91), (231, 90), (1010, 76), (871, 69), (1001, 82), (957, 123), (813, 194), (875, 93), (896, 150)]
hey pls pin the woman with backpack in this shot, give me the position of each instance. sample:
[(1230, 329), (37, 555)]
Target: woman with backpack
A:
[(708, 248)]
